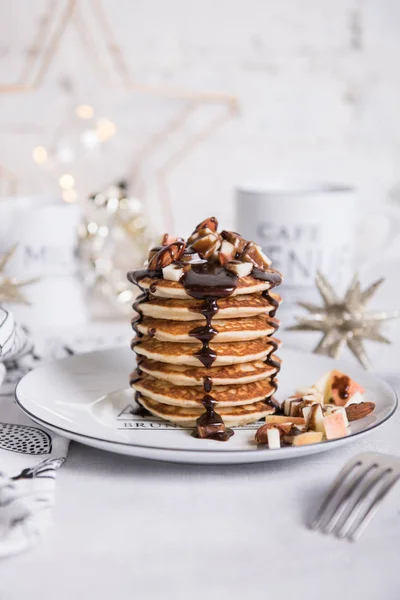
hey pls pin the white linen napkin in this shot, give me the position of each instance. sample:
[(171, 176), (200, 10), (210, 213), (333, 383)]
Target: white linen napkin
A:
[(29, 455)]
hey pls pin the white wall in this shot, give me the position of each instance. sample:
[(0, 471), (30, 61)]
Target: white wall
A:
[(318, 84)]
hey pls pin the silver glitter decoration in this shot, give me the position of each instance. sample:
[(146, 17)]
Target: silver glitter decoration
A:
[(344, 321)]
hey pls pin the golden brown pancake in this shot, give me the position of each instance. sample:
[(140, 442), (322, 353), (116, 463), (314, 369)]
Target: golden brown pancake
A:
[(189, 309), (228, 330), (174, 289), (228, 353), (186, 417), (228, 374), (192, 396)]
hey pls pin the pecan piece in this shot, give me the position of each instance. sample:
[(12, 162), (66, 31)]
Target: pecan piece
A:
[(211, 223), (168, 239), (359, 411), (166, 256), (261, 436)]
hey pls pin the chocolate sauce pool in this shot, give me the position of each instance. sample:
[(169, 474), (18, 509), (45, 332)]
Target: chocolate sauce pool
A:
[(209, 282)]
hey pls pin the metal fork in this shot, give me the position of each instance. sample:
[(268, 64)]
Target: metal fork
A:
[(356, 493)]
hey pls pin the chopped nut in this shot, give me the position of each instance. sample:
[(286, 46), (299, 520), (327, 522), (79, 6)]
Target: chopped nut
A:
[(261, 436), (359, 410), (207, 226), (153, 252), (166, 256), (169, 239), (210, 223)]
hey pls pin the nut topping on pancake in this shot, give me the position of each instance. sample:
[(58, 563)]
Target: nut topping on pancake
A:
[(167, 255)]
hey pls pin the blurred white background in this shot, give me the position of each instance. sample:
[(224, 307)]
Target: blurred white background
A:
[(317, 84)]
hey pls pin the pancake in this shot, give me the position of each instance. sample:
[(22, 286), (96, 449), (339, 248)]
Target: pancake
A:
[(173, 289), (228, 374), (185, 354), (186, 417), (192, 396), (235, 307), (228, 330)]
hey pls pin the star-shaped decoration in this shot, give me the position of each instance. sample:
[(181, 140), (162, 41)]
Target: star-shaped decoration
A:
[(10, 288), (344, 321)]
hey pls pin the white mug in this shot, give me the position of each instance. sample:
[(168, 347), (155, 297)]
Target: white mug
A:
[(44, 232), (302, 229)]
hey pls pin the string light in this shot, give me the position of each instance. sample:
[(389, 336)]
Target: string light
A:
[(92, 227), (105, 129), (90, 138), (84, 111), (69, 195), (39, 155), (66, 181)]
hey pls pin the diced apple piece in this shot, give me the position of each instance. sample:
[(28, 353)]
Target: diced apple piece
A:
[(254, 254), (207, 245), (315, 418), (310, 393), (227, 250), (356, 398), (281, 420), (316, 397), (241, 269), (287, 403), (265, 258), (329, 409), (172, 273), (295, 408), (303, 439), (335, 426), (304, 390), (274, 438), (322, 382), (341, 389)]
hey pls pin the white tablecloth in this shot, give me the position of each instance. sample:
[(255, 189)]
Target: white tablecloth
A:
[(129, 528)]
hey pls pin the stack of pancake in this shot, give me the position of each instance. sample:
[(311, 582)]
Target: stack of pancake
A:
[(204, 332)]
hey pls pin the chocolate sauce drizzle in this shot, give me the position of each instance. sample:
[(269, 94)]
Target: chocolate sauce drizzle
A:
[(342, 385), (209, 282)]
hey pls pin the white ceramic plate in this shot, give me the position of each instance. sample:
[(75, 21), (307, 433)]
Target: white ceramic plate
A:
[(85, 398)]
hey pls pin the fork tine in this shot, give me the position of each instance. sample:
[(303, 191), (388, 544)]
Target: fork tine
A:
[(338, 481), (371, 509), (359, 498), (342, 502)]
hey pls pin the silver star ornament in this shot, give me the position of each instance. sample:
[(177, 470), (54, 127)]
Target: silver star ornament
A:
[(344, 321)]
